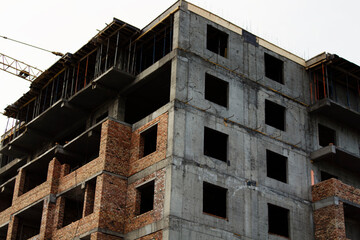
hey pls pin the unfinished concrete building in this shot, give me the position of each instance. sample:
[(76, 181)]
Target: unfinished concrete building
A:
[(191, 128)]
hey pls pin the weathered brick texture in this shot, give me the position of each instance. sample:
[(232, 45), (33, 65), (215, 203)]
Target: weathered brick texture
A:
[(109, 202), (329, 221)]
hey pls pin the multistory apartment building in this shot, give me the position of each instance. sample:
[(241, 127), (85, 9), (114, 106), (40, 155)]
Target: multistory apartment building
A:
[(191, 128)]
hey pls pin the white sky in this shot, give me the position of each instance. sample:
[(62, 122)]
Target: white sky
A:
[(305, 28)]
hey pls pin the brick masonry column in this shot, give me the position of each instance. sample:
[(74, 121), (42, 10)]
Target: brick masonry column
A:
[(49, 207), (89, 199), (19, 184), (114, 147), (59, 213), (13, 228), (330, 222)]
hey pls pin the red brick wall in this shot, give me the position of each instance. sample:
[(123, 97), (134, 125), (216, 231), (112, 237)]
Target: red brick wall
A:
[(330, 223), (137, 221), (334, 187), (136, 163), (114, 200)]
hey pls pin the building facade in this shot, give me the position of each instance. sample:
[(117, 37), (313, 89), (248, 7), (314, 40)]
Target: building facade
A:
[(191, 128)]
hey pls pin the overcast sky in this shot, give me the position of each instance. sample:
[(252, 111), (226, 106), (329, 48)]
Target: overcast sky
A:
[(305, 28)]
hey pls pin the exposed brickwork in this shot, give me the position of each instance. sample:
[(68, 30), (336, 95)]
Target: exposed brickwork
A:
[(110, 204), (334, 187), (329, 221), (137, 221), (115, 144), (154, 236), (136, 163)]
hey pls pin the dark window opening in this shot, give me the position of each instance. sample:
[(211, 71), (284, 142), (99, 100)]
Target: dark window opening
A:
[(71, 135), (276, 166), (5, 159), (275, 115), (6, 195), (29, 222), (34, 177), (327, 136), (352, 221), (145, 198), (278, 220), (150, 94), (215, 144), (216, 90), (325, 176), (89, 198), (73, 210), (214, 200), (217, 41), (3, 232), (148, 141), (274, 68)]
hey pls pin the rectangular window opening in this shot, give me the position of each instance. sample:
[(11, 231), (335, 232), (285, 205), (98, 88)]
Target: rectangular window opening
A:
[(74, 205), (274, 68), (30, 221), (215, 144), (35, 177), (275, 115), (3, 232), (217, 41), (278, 220), (327, 136), (216, 90), (148, 141), (214, 200), (352, 221), (276, 166), (145, 198), (6, 195)]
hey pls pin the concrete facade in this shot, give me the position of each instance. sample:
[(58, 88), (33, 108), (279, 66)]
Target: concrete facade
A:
[(137, 143)]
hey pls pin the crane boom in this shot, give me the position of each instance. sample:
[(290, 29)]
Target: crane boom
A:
[(18, 68)]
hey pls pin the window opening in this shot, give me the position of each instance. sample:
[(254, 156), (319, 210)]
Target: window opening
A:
[(276, 166), (325, 176), (278, 220), (216, 90), (274, 68), (327, 136), (217, 41), (275, 115), (145, 197), (215, 144), (148, 141), (214, 200)]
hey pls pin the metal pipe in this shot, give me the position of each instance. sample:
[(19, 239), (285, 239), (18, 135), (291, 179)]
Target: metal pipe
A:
[(116, 48), (107, 53), (86, 68)]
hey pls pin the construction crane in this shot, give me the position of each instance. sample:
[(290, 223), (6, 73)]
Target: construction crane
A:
[(18, 68)]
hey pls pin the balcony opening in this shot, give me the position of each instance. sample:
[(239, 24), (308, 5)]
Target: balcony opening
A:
[(352, 221), (274, 68), (102, 117), (148, 140), (150, 94), (217, 41), (214, 200), (275, 115), (327, 136), (215, 144), (145, 198), (3, 232), (325, 176), (6, 195), (278, 220), (216, 90), (276, 166), (29, 222), (5, 159)]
